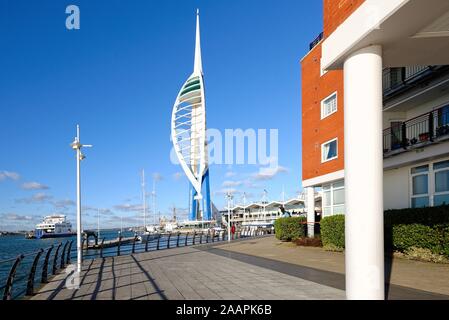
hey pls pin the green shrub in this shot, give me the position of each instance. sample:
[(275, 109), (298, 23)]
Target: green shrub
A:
[(289, 229), (333, 232), (425, 228)]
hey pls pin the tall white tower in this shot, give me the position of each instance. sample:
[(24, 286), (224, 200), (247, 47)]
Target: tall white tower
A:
[(189, 136)]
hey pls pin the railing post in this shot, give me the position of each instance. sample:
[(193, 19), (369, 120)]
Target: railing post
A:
[(63, 255), (158, 242), (207, 236), (44, 278), (68, 252), (431, 127), (201, 237), (101, 248), (146, 244), (10, 281), (168, 242), (404, 135), (82, 244), (177, 240), (194, 236), (30, 283), (119, 244), (55, 259), (213, 235), (187, 240), (134, 245)]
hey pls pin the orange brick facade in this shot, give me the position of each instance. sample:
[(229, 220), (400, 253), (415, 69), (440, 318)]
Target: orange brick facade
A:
[(336, 12), (315, 131), (317, 87)]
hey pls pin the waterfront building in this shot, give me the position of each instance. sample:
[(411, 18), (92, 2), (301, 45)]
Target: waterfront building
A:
[(375, 111)]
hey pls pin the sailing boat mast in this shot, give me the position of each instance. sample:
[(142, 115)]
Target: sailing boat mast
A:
[(144, 197)]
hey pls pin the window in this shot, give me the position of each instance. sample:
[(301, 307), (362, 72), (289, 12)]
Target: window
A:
[(329, 106), (441, 196), (334, 199), (420, 187), (329, 150)]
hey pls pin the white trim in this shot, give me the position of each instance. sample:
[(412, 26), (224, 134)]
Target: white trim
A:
[(336, 105), (322, 155), (328, 178)]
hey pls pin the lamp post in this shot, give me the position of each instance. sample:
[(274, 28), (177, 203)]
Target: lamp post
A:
[(229, 197), (77, 146)]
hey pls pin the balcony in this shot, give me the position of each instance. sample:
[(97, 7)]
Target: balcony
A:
[(315, 42), (429, 128)]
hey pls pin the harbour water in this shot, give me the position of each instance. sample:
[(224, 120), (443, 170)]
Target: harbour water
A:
[(13, 246)]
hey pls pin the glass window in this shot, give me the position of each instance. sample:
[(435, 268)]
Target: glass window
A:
[(420, 202), (441, 165), (329, 151), (339, 185), (421, 169), (339, 209), (329, 106), (420, 184), (441, 200), (442, 181), (327, 211), (339, 197), (327, 199)]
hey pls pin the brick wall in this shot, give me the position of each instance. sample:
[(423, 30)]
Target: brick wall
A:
[(315, 131), (336, 12)]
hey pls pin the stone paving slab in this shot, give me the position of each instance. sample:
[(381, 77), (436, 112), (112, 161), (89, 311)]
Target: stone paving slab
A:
[(184, 274)]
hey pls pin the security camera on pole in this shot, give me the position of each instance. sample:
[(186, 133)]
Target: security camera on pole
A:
[(77, 146)]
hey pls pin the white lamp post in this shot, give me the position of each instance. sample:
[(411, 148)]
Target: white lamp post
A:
[(229, 197), (76, 145)]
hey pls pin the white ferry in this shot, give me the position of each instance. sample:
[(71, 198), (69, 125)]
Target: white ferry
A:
[(55, 226)]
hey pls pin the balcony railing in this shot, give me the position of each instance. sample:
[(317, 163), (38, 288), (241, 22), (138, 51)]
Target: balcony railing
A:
[(395, 78), (317, 40), (417, 132)]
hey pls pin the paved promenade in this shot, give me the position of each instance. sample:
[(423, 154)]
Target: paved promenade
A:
[(184, 273), (254, 269)]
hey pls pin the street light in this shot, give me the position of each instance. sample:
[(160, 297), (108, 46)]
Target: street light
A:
[(229, 197), (77, 146)]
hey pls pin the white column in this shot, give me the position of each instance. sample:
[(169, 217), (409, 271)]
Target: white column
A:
[(311, 212), (364, 175)]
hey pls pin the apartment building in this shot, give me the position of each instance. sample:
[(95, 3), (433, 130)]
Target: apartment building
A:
[(375, 111)]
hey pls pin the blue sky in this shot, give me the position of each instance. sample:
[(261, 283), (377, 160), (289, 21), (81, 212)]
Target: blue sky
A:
[(118, 77)]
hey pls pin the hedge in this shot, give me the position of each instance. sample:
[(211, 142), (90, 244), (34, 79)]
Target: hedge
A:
[(333, 232), (426, 228), (290, 229)]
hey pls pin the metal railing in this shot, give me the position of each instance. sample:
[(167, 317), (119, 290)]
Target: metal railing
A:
[(422, 130), (395, 78), (27, 270), (170, 241), (317, 40)]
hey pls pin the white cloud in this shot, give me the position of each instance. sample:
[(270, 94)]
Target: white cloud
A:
[(157, 176), (128, 207), (37, 198), (178, 176), (232, 184), (269, 173), (230, 174), (34, 186), (9, 175), (17, 217), (64, 203)]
